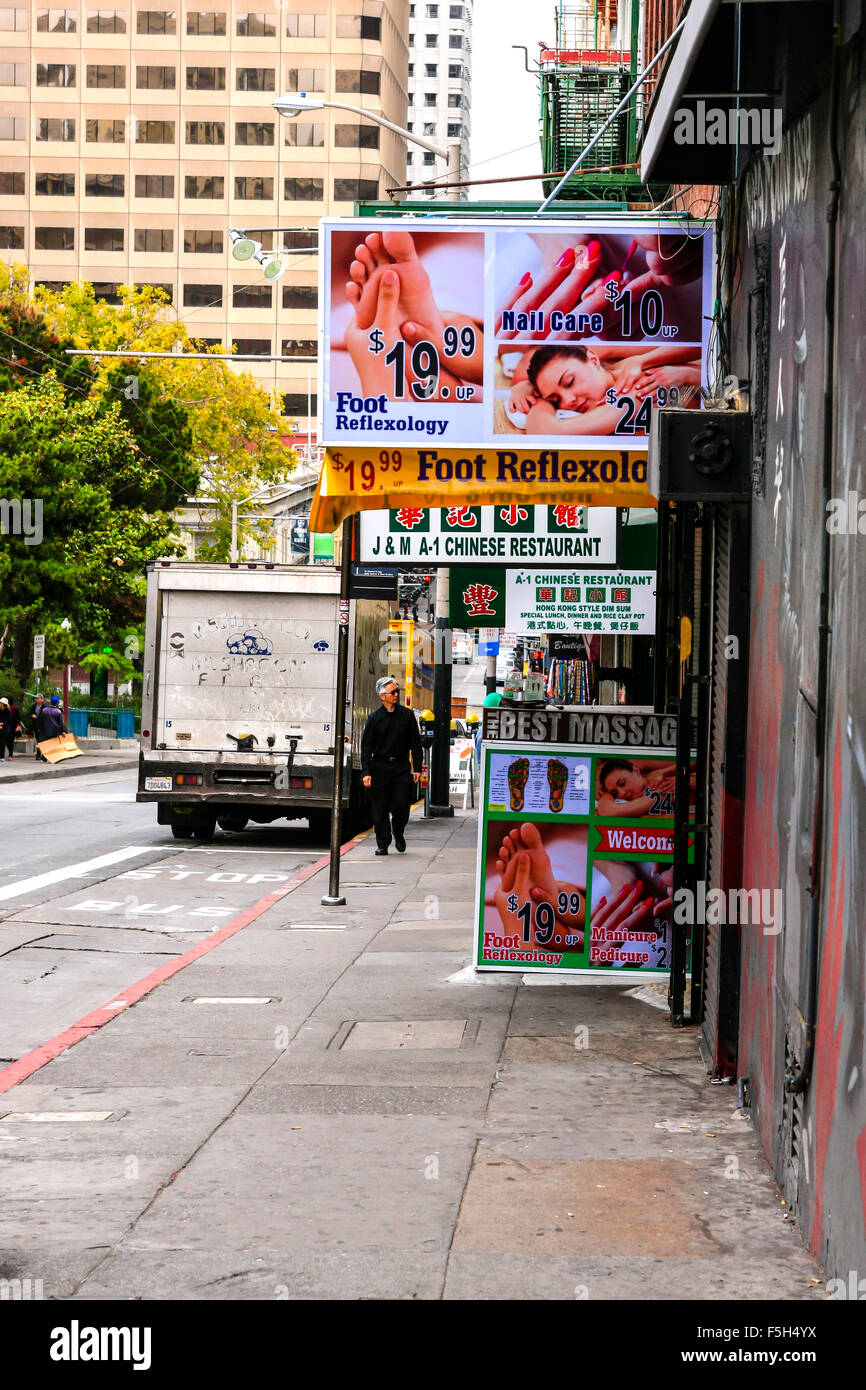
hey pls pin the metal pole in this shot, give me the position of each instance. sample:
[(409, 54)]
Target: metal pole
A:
[(66, 694), (440, 757), (490, 676), (333, 897), (234, 549), (611, 118)]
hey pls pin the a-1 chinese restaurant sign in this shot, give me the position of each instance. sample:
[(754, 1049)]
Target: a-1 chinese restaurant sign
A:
[(498, 334), (622, 602), (516, 533), (362, 480)]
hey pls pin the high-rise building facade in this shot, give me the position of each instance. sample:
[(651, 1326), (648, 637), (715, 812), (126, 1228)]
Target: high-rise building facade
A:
[(132, 139), (440, 72)]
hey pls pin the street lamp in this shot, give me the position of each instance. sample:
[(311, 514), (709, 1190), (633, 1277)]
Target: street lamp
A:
[(299, 102)]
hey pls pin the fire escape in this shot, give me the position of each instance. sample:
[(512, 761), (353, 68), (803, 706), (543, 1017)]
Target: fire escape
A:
[(595, 59)]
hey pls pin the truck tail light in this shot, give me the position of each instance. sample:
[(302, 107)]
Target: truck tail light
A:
[(188, 779), (301, 782)]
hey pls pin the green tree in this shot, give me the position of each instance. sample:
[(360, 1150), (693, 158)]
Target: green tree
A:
[(80, 551)]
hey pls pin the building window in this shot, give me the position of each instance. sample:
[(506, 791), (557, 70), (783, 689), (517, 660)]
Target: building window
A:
[(168, 290), (304, 190), (254, 132), (12, 238), (432, 11), (155, 133), (11, 184), (429, 98), (53, 21), (352, 80), (358, 137), (254, 80), (308, 133), (455, 132), (300, 297), (155, 240), (310, 26), (155, 79), (455, 40), (204, 186), (411, 69), (55, 185), (431, 40), (16, 20), (252, 347), (205, 79), (252, 296), (107, 291), (305, 80), (13, 127), (54, 238), (431, 69), (203, 243), (455, 69), (102, 132), (103, 238), (205, 132), (307, 239), (429, 127), (106, 75), (455, 12), (60, 128), (106, 21), (154, 185), (359, 27), (206, 24), (156, 22), (15, 74), (299, 347), (429, 158), (256, 26), (298, 403), (455, 99), (256, 189), (202, 296), (355, 190), (104, 185)]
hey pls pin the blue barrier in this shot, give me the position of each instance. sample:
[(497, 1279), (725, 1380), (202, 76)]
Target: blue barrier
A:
[(78, 722), (125, 723)]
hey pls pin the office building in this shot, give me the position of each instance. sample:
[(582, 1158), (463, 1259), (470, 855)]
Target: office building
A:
[(440, 72)]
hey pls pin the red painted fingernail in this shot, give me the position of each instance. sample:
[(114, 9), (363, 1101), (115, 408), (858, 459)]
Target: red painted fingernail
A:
[(626, 888), (601, 902), (593, 250), (614, 276), (525, 279), (646, 902), (566, 260)]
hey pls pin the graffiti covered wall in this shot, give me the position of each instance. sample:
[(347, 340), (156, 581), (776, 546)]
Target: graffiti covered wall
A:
[(817, 1142)]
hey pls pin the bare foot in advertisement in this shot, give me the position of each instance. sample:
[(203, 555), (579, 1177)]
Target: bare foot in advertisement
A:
[(567, 899), (375, 254)]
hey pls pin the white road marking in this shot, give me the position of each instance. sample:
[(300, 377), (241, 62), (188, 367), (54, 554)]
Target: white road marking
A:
[(85, 866), (43, 1117)]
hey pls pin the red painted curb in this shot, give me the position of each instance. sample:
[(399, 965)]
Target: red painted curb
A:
[(25, 1066)]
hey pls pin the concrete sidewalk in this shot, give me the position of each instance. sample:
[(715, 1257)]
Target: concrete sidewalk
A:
[(24, 767), (380, 1129)]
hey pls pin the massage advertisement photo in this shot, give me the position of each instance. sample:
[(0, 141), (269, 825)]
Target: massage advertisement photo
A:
[(575, 860), (475, 336)]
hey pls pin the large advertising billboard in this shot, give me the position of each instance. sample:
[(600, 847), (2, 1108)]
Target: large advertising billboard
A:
[(510, 334)]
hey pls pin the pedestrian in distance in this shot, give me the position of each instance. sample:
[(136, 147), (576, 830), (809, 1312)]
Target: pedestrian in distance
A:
[(49, 723), (391, 760), (8, 726), (32, 716)]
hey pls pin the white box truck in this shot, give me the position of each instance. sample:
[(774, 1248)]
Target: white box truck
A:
[(239, 684)]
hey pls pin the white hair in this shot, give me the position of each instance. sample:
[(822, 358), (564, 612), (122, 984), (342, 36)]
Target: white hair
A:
[(383, 682)]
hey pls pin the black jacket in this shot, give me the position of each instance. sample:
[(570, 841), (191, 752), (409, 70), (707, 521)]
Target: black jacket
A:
[(389, 740), (49, 723)]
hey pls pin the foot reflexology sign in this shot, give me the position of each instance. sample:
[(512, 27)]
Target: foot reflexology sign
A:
[(545, 345), (575, 853)]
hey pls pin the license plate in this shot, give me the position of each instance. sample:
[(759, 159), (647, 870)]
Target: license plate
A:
[(157, 784)]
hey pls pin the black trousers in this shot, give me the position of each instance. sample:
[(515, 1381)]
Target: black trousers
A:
[(391, 794)]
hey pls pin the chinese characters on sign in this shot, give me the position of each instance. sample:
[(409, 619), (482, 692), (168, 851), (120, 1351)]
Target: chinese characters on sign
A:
[(512, 534)]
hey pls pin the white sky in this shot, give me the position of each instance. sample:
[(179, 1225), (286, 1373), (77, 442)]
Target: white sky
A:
[(505, 103)]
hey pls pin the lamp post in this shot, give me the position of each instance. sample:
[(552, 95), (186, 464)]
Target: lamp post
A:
[(290, 107)]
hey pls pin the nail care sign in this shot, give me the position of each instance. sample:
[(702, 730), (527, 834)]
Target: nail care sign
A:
[(575, 859), (450, 334)]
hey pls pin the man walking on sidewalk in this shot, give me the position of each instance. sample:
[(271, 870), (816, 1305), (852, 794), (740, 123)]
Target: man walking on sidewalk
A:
[(391, 760)]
